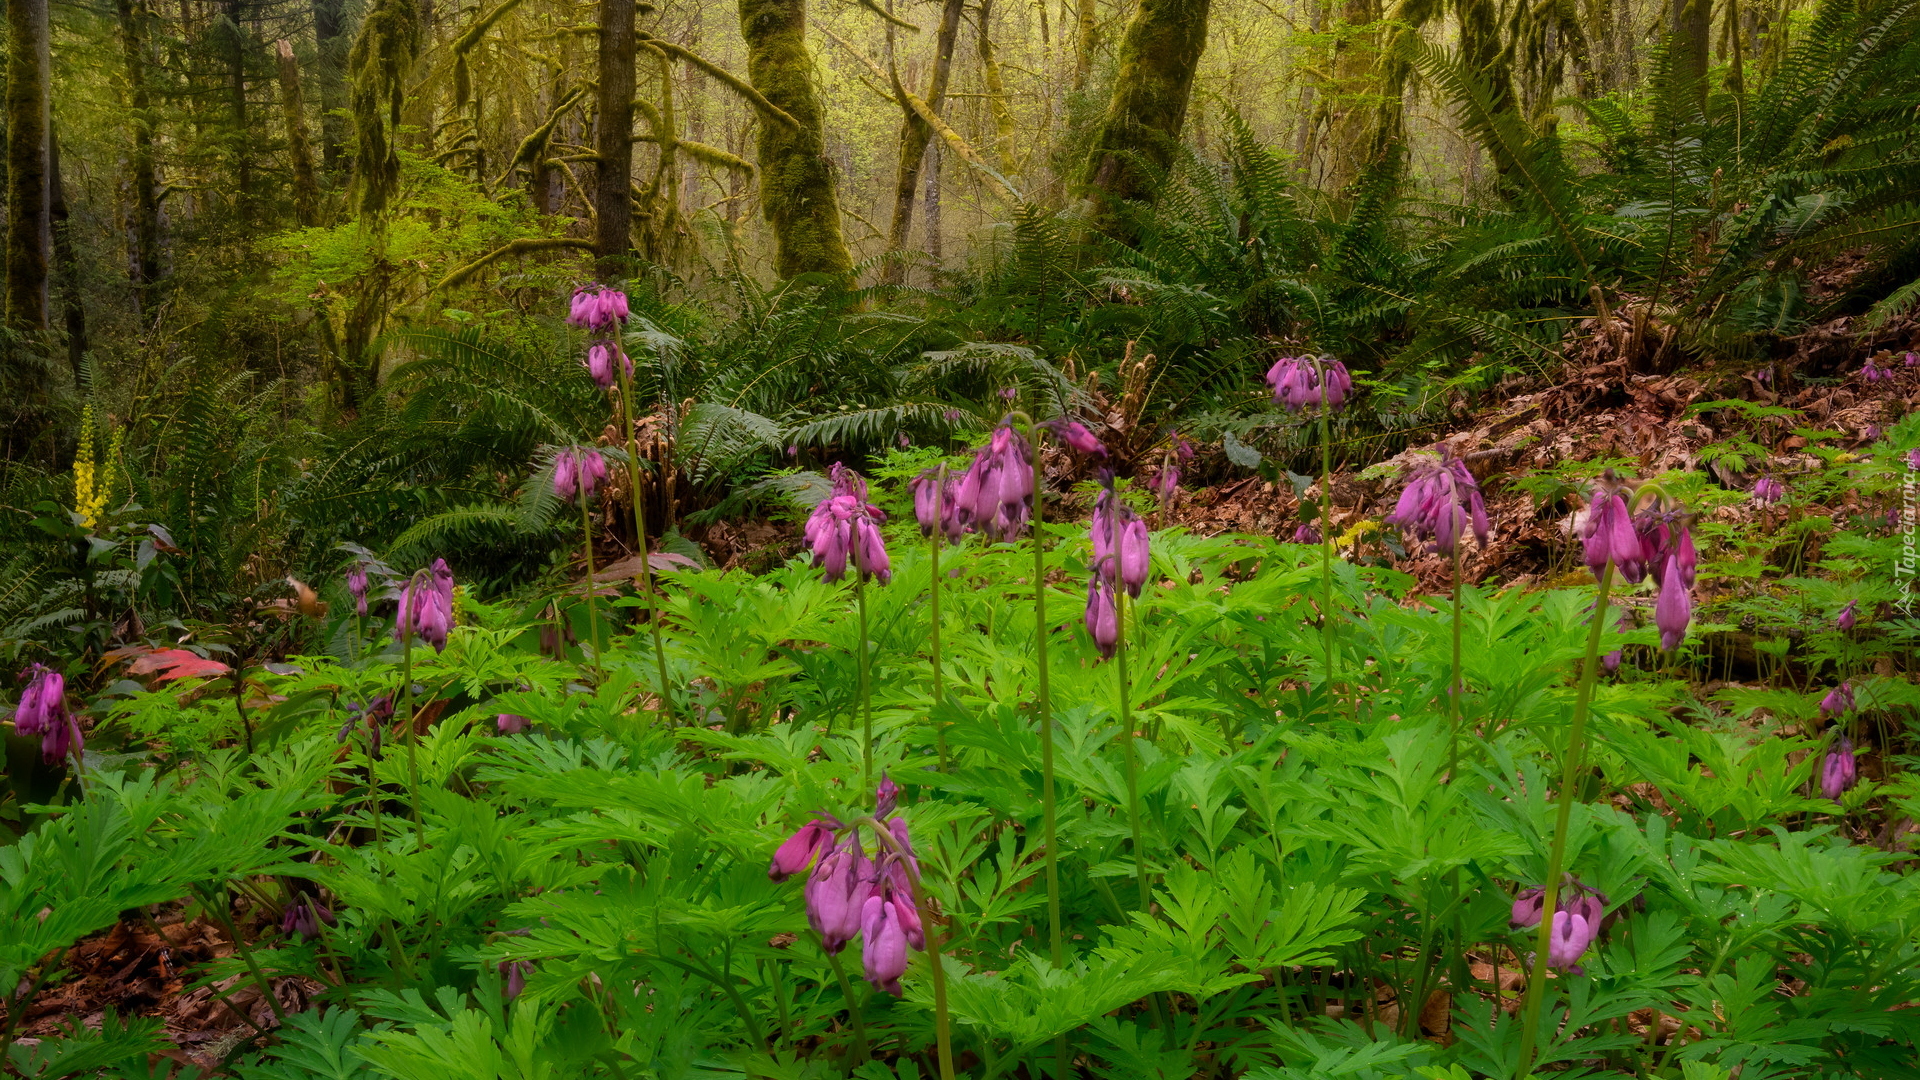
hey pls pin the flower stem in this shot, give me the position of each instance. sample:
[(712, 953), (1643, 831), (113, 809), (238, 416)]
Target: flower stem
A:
[(413, 738), (593, 617), (939, 688), (1326, 540), (853, 1007), (1043, 715), (1126, 715), (1557, 851), (866, 689), (640, 537), (1454, 687)]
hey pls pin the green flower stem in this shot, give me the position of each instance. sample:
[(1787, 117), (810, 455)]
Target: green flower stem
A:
[(246, 952), (640, 537), (1326, 539), (942, 1022), (593, 616), (1043, 715), (1556, 854), (406, 715), (939, 689), (853, 1007), (1454, 685), (866, 689)]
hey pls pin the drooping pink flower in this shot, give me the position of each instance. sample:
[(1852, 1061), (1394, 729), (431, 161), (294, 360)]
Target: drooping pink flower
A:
[(1873, 372), (1306, 534), (1571, 936), (1608, 536), (1440, 503), (1838, 700), (1120, 542), (1847, 617), (1103, 623), (1839, 771), (884, 951), (426, 607), (357, 587), (1309, 382), (798, 851), (995, 495), (1674, 609), (597, 308), (836, 893), (303, 917), (507, 723), (1078, 438), (845, 526), (1527, 907), (42, 701), (516, 972), (1767, 491)]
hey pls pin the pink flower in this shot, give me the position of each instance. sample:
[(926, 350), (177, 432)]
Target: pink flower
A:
[(813, 839), (1572, 935), (995, 495), (1306, 534), (884, 954), (426, 607), (1608, 536), (1674, 610), (886, 796), (1303, 382), (1102, 621), (357, 587), (844, 525), (597, 308), (1847, 617), (1767, 491), (1440, 503), (836, 894), (1076, 436), (1838, 700), (1115, 522), (1527, 907), (508, 723), (1839, 772)]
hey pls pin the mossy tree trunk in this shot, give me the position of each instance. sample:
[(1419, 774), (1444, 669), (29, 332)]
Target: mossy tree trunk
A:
[(1692, 37), (331, 40), (1137, 139), (29, 211), (1352, 121), (65, 261), (306, 189), (241, 143), (613, 172), (796, 181), (144, 216), (915, 134)]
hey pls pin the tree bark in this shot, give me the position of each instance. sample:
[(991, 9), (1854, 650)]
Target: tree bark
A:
[(1692, 36), (914, 135), (613, 172), (796, 180), (29, 212), (306, 190), (242, 148), (1352, 136), (144, 268), (66, 262), (1086, 39), (330, 64), (1138, 137)]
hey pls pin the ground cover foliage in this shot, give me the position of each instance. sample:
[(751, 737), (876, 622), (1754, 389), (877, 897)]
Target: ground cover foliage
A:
[(516, 858)]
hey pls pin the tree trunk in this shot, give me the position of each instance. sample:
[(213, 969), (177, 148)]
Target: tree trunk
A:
[(1692, 36), (933, 210), (237, 104), (29, 221), (914, 133), (330, 64), (306, 190), (997, 90), (1136, 141), (796, 180), (145, 215), (65, 260), (1351, 135), (1086, 39), (613, 174)]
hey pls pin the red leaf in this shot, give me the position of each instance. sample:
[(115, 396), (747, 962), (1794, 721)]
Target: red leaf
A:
[(177, 664)]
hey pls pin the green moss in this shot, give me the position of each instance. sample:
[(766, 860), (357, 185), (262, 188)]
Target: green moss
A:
[(1139, 135), (796, 180)]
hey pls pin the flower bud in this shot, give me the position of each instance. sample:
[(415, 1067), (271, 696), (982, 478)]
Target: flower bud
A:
[(357, 587), (798, 851), (1102, 621), (507, 723), (1839, 772), (886, 795), (884, 953), (1077, 437), (1674, 610), (1846, 619), (835, 894)]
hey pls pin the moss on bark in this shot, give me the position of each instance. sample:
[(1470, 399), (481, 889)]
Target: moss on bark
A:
[(1139, 135), (796, 181), (29, 211)]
